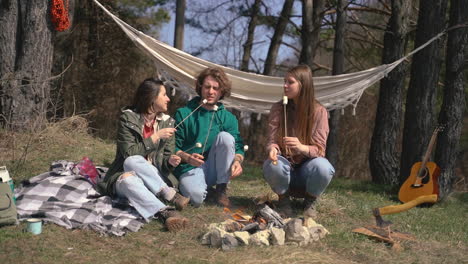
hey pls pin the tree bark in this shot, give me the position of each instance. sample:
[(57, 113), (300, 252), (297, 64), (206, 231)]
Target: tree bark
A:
[(453, 106), (250, 35), (420, 102), (283, 20), (312, 15), (338, 68), (179, 25), (384, 154), (26, 63)]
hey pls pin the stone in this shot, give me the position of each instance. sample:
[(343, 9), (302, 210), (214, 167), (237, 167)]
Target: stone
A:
[(216, 237), (229, 242), (318, 232), (277, 236), (206, 240), (226, 225), (242, 237), (260, 238), (295, 232), (309, 222)]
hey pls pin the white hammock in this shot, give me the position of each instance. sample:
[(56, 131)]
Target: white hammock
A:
[(254, 92)]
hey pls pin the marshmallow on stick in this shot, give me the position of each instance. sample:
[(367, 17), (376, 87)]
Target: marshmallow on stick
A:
[(197, 145), (285, 103), (203, 102)]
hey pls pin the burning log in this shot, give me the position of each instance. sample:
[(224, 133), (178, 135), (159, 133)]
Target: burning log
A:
[(273, 219)]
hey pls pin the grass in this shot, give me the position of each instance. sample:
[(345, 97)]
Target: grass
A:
[(441, 231)]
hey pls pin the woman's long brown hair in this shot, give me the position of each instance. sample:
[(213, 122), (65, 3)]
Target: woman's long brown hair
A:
[(305, 106)]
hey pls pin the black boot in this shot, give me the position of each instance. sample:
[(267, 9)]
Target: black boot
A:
[(309, 206), (284, 205), (222, 198)]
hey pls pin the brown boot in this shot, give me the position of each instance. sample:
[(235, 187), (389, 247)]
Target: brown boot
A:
[(284, 205), (173, 220), (180, 201), (309, 206), (222, 198)]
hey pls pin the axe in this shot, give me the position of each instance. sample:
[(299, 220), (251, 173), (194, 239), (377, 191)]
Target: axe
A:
[(392, 209)]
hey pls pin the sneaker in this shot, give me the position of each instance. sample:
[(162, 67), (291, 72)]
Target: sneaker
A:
[(173, 220), (222, 198), (309, 207), (285, 206), (180, 201)]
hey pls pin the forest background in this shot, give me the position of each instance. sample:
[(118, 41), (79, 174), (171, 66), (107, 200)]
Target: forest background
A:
[(92, 69)]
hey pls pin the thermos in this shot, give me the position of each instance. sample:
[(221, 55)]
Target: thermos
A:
[(5, 177)]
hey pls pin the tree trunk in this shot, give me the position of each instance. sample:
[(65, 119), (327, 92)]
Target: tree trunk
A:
[(312, 15), (420, 102), (453, 105), (179, 25), (384, 154), (280, 27), (26, 58), (338, 68), (250, 35)]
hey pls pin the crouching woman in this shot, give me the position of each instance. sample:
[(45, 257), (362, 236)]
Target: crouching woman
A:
[(296, 166), (144, 158)]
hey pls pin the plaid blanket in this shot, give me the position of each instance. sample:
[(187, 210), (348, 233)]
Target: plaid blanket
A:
[(64, 197)]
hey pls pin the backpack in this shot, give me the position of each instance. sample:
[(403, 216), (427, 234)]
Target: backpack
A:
[(8, 214)]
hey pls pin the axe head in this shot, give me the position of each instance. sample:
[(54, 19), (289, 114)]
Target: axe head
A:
[(380, 222)]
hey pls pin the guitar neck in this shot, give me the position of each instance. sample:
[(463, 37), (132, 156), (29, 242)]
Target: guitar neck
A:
[(428, 153)]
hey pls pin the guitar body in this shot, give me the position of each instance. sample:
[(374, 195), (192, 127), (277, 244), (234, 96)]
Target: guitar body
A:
[(415, 186)]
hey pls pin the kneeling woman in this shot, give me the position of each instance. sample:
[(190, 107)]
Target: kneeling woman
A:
[(296, 147), (144, 158)]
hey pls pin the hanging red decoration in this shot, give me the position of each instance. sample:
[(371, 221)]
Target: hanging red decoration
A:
[(59, 15)]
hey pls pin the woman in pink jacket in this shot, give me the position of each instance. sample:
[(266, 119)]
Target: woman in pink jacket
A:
[(296, 147)]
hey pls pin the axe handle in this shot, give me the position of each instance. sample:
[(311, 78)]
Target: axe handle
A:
[(392, 209)]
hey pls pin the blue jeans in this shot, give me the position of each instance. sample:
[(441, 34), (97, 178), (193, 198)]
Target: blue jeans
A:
[(142, 187), (215, 170), (311, 177)]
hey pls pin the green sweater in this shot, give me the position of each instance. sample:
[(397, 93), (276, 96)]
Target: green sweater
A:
[(195, 130), (130, 142)]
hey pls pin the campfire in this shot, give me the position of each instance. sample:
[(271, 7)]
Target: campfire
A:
[(266, 227)]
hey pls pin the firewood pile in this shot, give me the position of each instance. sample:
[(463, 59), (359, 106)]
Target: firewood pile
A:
[(265, 228)]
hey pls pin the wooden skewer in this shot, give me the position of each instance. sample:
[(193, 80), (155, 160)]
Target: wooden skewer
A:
[(215, 109), (203, 102), (285, 104), (197, 145)]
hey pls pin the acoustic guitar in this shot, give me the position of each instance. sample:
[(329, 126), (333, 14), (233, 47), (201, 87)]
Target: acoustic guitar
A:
[(424, 176)]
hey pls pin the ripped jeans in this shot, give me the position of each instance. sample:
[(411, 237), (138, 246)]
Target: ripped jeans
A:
[(142, 187), (216, 170)]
